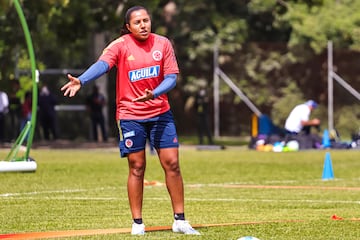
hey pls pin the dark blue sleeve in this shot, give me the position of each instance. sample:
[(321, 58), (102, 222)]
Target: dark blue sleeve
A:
[(94, 71), (166, 85)]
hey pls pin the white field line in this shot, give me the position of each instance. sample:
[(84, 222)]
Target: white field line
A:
[(54, 191), (200, 185), (37, 195), (194, 200)]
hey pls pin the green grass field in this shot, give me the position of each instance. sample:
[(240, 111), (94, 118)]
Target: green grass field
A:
[(271, 195)]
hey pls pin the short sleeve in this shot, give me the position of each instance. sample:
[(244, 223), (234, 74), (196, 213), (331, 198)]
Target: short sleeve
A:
[(170, 62)]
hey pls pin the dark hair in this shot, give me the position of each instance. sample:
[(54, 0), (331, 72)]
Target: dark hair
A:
[(128, 13)]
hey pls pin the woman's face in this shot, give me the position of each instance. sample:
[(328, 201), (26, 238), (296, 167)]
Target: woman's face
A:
[(139, 24)]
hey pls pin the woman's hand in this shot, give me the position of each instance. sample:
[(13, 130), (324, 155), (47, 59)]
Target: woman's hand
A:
[(147, 96), (72, 87)]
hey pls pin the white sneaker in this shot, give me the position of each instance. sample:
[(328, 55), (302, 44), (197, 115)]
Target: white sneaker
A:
[(138, 229), (182, 226)]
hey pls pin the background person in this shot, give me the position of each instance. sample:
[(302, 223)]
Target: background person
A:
[(298, 126), (146, 70), (299, 118), (95, 103), (4, 108), (26, 108), (15, 109), (47, 113), (202, 110)]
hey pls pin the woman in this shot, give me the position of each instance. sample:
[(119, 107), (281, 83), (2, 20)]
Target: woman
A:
[(146, 71)]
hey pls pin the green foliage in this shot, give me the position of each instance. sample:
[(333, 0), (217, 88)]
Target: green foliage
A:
[(284, 104), (258, 6), (265, 46), (346, 119), (314, 25), (202, 26)]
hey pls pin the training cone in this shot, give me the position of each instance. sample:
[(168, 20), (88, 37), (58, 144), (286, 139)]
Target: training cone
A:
[(326, 139), (328, 172)]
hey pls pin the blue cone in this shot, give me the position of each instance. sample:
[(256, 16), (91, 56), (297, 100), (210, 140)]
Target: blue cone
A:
[(326, 139), (328, 172)]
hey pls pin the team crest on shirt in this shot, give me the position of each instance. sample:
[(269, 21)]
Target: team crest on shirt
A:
[(129, 143), (157, 55)]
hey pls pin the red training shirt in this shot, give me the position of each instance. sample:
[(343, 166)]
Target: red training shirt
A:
[(140, 66)]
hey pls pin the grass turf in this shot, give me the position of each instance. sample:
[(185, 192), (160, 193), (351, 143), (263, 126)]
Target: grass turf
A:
[(86, 189)]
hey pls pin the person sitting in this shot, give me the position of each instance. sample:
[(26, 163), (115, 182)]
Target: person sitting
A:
[(299, 118), (298, 125)]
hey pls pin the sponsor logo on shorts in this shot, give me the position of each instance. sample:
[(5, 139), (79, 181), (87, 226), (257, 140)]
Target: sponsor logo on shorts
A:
[(129, 134), (128, 143), (144, 73)]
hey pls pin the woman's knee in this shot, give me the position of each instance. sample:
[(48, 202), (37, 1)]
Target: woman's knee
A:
[(137, 166), (172, 166), (137, 171)]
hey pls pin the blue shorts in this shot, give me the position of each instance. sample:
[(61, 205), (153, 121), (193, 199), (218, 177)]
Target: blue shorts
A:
[(160, 130)]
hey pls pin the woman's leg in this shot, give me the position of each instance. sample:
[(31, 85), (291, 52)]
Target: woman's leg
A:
[(169, 160), (135, 184)]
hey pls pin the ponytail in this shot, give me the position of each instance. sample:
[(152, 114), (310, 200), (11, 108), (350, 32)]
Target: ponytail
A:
[(124, 30)]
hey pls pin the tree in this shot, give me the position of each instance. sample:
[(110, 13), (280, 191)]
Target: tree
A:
[(268, 47)]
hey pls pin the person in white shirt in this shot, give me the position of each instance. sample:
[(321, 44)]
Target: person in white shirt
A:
[(299, 118), (4, 105)]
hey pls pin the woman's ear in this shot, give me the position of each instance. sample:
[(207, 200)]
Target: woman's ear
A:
[(128, 27)]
